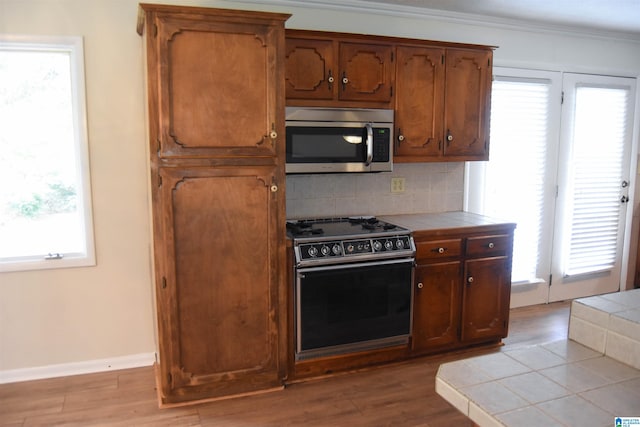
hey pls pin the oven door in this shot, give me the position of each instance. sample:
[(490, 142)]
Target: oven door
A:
[(354, 307)]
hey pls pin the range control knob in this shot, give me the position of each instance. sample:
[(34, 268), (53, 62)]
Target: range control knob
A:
[(336, 249), (377, 246), (388, 245), (325, 250), (313, 251), (350, 248), (399, 244)]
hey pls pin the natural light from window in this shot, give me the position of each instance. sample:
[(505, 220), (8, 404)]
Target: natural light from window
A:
[(519, 131), (44, 204), (595, 179)]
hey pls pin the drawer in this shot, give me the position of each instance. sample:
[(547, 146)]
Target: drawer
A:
[(434, 249), (488, 245)]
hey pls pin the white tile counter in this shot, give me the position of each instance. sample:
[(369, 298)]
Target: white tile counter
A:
[(564, 383), (609, 324)]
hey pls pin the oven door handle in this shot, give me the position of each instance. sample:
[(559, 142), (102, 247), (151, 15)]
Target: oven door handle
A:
[(369, 129), (303, 270)]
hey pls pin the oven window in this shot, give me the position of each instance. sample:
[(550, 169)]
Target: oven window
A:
[(325, 144), (353, 305)]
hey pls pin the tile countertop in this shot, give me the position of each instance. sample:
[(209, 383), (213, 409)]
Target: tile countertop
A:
[(564, 383), (609, 324), (444, 221)]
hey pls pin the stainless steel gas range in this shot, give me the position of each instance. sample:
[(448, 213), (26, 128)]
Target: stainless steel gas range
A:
[(353, 285)]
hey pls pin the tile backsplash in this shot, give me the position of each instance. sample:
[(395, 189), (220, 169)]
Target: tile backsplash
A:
[(429, 187)]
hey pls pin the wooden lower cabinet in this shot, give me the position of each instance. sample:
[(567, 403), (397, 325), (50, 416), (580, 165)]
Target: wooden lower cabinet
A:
[(436, 308), (485, 298), (462, 288), (218, 287)]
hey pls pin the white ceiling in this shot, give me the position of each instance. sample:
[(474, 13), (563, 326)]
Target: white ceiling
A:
[(592, 16), (610, 15)]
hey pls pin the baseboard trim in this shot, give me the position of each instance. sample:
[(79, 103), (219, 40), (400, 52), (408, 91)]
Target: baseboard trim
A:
[(77, 368)]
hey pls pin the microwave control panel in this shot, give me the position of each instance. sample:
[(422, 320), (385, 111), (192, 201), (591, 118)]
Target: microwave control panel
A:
[(381, 144)]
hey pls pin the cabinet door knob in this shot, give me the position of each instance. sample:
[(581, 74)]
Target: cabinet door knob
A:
[(274, 188), (491, 245), (449, 137), (470, 279), (330, 79), (400, 138), (273, 134), (420, 285)]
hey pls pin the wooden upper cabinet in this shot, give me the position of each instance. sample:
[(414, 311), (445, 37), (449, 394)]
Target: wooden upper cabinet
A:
[(468, 103), (442, 104), (310, 69), (441, 91), (419, 102), (326, 71), (216, 84), (365, 72)]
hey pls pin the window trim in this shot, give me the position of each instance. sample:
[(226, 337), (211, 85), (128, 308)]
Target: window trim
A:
[(74, 45)]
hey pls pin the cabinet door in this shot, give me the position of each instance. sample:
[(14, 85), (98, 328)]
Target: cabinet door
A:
[(485, 298), (217, 85), (419, 103), (467, 104), (310, 69), (436, 305), (219, 247), (365, 72)]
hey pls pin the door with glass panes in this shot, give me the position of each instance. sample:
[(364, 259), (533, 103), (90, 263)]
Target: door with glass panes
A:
[(593, 185), (569, 188)]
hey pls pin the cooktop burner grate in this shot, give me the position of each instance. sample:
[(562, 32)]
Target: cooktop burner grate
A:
[(348, 239)]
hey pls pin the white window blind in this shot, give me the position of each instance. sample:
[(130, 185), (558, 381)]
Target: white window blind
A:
[(514, 186), (599, 134)]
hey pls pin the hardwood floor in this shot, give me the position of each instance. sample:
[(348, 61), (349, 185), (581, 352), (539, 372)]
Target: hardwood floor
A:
[(398, 395)]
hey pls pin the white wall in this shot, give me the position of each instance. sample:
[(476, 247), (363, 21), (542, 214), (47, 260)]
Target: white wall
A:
[(60, 316), (83, 314)]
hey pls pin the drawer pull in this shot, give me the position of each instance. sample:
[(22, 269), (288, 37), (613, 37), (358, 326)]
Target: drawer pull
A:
[(420, 285), (470, 279), (441, 250), (491, 245)]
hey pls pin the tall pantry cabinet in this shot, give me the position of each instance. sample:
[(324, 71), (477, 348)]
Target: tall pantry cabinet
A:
[(216, 133)]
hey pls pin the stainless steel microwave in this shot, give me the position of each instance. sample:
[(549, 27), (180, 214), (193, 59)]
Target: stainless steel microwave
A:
[(326, 140)]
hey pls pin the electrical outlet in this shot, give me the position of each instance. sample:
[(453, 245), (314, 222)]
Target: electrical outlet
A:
[(397, 185)]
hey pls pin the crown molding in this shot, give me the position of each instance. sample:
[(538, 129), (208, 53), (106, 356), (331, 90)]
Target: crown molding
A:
[(404, 11)]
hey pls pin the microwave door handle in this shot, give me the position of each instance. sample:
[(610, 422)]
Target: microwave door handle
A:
[(369, 144)]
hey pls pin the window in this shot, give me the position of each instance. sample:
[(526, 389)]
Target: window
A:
[(559, 168), (518, 182), (45, 204)]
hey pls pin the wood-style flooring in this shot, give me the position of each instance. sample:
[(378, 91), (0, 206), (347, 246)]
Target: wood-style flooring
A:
[(397, 395)]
